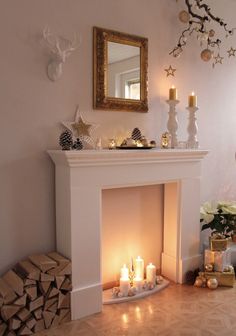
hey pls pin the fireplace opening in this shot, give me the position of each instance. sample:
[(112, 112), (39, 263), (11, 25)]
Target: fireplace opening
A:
[(132, 226)]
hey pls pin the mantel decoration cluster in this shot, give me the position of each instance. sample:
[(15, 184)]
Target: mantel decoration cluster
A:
[(201, 22)]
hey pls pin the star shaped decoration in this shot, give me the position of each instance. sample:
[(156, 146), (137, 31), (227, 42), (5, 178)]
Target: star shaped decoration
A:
[(231, 52), (81, 129), (218, 59), (170, 71)]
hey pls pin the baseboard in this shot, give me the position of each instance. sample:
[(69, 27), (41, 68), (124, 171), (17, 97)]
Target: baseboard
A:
[(86, 301)]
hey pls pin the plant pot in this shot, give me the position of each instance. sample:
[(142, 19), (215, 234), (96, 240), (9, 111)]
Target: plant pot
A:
[(218, 244)]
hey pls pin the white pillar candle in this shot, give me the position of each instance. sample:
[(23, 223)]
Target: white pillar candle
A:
[(151, 273), (139, 268), (138, 284), (124, 286), (124, 272)]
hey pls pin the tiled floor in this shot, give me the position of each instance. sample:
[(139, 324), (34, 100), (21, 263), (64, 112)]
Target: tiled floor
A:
[(179, 310)]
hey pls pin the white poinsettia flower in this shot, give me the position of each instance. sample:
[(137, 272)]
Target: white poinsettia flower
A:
[(210, 208), (230, 209), (207, 212)]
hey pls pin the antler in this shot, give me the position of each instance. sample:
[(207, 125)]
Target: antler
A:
[(60, 45)]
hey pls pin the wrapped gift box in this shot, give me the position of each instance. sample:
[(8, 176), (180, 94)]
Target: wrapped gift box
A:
[(220, 259), (224, 278)]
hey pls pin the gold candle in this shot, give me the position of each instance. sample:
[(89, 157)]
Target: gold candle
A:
[(192, 100), (173, 93)]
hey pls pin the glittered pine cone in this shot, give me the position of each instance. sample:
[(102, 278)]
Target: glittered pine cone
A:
[(136, 134), (77, 144), (65, 140)]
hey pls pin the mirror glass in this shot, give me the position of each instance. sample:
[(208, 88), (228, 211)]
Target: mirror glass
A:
[(123, 75)]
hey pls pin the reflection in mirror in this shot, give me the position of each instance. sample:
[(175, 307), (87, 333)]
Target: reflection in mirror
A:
[(123, 77)]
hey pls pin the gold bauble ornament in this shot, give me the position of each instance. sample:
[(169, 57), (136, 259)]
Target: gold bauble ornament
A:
[(184, 16), (211, 33), (208, 267), (198, 282), (206, 55), (212, 283)]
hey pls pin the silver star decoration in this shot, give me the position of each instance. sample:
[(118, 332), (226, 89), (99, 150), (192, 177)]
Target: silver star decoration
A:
[(81, 129), (231, 52)]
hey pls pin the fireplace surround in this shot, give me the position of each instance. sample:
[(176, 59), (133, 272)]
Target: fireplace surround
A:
[(80, 178)]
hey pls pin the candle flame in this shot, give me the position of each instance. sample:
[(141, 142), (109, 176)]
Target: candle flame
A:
[(172, 87), (192, 94)]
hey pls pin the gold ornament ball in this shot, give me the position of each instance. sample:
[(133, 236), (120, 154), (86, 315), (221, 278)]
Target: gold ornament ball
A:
[(212, 283), (184, 16), (208, 267), (211, 33), (198, 282), (206, 55)]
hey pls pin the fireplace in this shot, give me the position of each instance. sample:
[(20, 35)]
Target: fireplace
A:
[(80, 179)]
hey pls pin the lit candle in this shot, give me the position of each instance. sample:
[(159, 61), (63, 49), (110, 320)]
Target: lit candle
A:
[(124, 281), (124, 286), (138, 284), (151, 273), (112, 144), (192, 100), (173, 93), (124, 272), (139, 268)]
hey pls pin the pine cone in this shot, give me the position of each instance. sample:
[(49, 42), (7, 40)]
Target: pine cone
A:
[(77, 144), (65, 140), (136, 134)]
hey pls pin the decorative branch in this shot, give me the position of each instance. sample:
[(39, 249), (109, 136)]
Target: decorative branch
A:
[(198, 23)]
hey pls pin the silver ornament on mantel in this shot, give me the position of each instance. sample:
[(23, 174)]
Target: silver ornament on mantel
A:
[(206, 55), (184, 16)]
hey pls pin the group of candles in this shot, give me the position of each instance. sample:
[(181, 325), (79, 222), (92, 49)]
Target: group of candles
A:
[(192, 99), (138, 280)]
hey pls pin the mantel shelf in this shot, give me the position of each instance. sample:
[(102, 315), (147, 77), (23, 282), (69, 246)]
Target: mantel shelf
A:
[(120, 157)]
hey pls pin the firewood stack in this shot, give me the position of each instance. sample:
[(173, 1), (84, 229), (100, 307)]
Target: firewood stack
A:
[(35, 295)]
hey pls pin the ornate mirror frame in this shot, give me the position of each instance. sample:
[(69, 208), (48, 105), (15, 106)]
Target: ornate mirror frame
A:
[(101, 37)]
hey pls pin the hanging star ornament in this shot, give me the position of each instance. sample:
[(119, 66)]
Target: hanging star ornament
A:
[(81, 129), (231, 52), (218, 59), (170, 71)]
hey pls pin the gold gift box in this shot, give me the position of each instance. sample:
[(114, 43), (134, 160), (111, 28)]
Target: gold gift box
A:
[(226, 279), (218, 244)]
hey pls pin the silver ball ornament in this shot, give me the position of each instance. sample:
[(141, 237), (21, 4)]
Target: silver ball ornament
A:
[(212, 283), (184, 16), (206, 55)]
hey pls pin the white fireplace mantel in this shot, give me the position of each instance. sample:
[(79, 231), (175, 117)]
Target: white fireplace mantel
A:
[(80, 178)]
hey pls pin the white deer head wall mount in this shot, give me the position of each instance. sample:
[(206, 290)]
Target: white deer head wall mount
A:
[(60, 48)]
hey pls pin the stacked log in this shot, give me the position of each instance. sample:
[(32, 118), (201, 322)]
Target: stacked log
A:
[(35, 295)]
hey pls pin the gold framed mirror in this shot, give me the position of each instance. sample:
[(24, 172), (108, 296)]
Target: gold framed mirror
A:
[(120, 63)]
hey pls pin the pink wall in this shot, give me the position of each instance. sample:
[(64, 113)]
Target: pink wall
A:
[(32, 106)]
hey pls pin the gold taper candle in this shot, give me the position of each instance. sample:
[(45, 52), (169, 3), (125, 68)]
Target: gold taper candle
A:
[(192, 100), (173, 93)]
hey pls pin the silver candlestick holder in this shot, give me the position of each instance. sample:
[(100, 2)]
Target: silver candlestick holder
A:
[(172, 124), (192, 127)]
